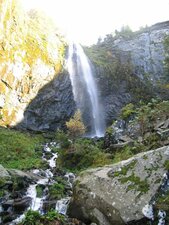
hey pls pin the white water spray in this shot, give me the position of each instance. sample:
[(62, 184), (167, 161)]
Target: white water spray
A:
[(82, 78)]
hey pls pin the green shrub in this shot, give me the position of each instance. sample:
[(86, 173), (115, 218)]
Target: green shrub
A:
[(62, 139), (127, 111), (34, 218), (56, 191), (84, 153)]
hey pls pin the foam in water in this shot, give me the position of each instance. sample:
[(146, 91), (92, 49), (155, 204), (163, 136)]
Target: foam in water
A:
[(61, 205), (78, 59), (52, 161)]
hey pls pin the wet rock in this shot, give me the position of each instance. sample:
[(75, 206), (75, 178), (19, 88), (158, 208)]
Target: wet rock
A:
[(17, 205), (26, 176), (116, 194), (21, 204), (49, 204), (7, 217), (8, 204), (116, 136), (4, 173)]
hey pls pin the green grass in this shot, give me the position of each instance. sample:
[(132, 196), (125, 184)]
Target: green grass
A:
[(20, 150)]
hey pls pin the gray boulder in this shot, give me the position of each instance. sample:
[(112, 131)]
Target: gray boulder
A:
[(27, 176), (116, 194), (3, 173)]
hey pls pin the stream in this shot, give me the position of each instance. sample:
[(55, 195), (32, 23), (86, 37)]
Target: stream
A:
[(46, 180)]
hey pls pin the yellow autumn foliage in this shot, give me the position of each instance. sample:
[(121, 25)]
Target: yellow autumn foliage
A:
[(75, 125)]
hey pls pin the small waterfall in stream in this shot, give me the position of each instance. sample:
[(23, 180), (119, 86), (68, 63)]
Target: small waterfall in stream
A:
[(85, 90), (37, 203)]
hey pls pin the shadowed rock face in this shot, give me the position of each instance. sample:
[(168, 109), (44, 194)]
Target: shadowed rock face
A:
[(52, 107), (117, 193)]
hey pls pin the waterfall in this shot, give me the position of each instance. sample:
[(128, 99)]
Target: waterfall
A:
[(85, 89)]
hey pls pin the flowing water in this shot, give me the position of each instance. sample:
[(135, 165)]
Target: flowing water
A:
[(85, 89), (37, 202)]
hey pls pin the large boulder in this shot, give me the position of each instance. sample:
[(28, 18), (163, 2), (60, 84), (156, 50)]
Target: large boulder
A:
[(116, 194)]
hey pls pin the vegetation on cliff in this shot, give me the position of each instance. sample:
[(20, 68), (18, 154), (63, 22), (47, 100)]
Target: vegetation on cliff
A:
[(166, 62), (117, 68)]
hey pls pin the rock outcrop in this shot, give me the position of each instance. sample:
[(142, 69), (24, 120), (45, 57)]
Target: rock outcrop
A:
[(116, 194), (32, 56), (146, 49), (53, 105), (128, 67), (13, 187)]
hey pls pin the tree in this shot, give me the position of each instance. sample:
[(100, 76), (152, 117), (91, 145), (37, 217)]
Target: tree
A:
[(75, 125)]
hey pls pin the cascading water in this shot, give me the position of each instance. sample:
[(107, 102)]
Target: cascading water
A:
[(37, 203), (84, 89)]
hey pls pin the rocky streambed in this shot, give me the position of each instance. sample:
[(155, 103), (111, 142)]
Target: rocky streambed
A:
[(38, 190), (133, 191)]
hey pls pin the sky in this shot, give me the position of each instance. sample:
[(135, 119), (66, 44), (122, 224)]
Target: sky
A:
[(87, 20)]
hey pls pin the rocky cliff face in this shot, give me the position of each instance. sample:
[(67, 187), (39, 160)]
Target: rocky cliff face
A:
[(146, 49), (129, 67), (31, 56), (53, 105)]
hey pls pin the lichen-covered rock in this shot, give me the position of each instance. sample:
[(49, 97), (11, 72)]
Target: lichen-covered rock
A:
[(117, 193), (32, 55)]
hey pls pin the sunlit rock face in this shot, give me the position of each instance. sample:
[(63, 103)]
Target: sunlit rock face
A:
[(31, 56), (146, 49)]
